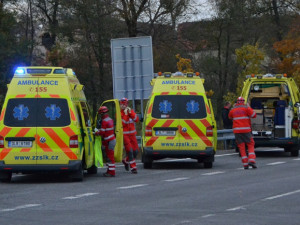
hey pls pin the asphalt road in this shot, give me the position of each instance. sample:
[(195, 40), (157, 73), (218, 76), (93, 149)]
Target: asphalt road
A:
[(173, 192)]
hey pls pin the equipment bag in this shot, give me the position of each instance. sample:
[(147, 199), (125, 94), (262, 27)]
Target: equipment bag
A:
[(98, 152)]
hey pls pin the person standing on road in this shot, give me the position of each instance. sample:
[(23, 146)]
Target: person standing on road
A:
[(227, 123), (241, 115), (129, 118), (107, 133)]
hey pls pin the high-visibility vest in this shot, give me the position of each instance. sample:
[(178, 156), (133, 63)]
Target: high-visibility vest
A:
[(129, 121), (241, 115)]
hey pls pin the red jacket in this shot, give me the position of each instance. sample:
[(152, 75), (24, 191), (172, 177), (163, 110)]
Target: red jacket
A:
[(107, 130), (128, 122), (241, 115)]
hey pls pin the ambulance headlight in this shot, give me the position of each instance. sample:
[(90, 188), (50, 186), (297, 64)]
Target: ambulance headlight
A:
[(20, 71)]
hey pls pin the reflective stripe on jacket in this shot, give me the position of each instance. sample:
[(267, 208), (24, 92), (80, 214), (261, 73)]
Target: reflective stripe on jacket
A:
[(241, 115), (128, 122), (107, 130)]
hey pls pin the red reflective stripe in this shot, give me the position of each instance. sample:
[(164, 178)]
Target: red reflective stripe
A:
[(150, 108), (72, 115), (2, 114), (185, 135), (54, 96), (68, 131), (22, 132), (193, 93), (198, 132), (25, 150), (60, 143), (178, 93), (5, 131), (4, 153), (43, 146), (205, 123), (167, 123), (20, 96), (151, 141), (207, 109), (164, 93), (37, 96), (152, 123), (170, 138)]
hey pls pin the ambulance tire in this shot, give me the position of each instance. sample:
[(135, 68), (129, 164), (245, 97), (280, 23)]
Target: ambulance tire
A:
[(5, 177), (208, 165), (78, 175), (92, 170), (147, 162)]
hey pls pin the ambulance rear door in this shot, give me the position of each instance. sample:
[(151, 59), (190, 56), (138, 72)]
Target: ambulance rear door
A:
[(194, 122), (164, 122), (115, 113)]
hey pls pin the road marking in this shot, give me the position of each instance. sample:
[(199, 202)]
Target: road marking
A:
[(275, 163), (80, 196), (226, 154), (297, 159), (213, 173), (236, 208), (178, 179), (208, 215), (20, 207), (282, 195), (132, 186)]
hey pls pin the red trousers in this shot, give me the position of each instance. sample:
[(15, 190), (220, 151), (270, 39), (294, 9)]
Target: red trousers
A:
[(132, 149), (110, 159), (251, 154)]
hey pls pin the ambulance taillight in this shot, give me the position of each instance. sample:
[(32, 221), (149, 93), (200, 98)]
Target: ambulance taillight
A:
[(295, 124), (1, 142), (209, 131), (148, 131), (74, 141)]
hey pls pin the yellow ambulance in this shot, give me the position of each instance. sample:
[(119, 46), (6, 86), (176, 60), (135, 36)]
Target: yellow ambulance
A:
[(45, 124), (276, 100), (179, 120)]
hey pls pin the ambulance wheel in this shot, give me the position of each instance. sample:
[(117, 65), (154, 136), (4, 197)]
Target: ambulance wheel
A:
[(5, 177), (92, 170), (208, 165), (295, 153), (147, 161), (78, 175)]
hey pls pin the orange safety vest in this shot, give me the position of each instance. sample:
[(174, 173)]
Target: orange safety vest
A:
[(241, 115)]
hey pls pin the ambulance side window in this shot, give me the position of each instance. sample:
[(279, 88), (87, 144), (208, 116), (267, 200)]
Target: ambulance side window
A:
[(86, 115)]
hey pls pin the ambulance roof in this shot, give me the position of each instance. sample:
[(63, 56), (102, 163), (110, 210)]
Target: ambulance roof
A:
[(43, 71)]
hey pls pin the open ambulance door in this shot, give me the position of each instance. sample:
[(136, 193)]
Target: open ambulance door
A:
[(114, 113), (214, 124)]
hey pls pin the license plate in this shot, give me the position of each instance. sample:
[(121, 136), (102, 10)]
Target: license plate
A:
[(165, 133), (20, 144)]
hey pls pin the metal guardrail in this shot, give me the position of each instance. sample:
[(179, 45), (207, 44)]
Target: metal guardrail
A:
[(223, 135)]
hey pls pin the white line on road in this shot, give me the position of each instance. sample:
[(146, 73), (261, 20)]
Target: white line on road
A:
[(297, 159), (282, 195), (236, 208), (178, 179), (226, 154), (213, 173), (208, 215), (80, 196), (275, 163), (20, 207), (132, 186)]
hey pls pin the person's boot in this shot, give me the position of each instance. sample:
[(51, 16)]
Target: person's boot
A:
[(125, 165), (108, 175), (246, 167), (253, 165), (134, 171)]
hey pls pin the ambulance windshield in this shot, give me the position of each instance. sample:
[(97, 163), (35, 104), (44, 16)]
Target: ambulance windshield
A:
[(179, 107), (37, 112)]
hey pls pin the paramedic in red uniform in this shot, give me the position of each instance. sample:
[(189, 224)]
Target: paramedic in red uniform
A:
[(241, 115), (129, 118), (107, 133)]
